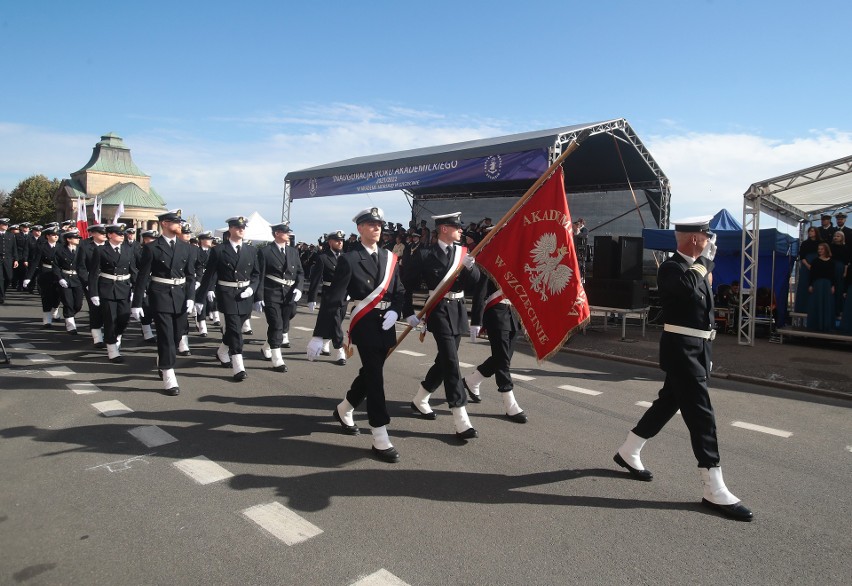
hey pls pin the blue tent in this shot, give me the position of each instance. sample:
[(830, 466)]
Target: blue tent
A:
[(729, 241)]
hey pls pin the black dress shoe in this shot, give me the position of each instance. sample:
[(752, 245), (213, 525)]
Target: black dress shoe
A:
[(473, 398), (347, 429), (160, 373), (46, 326), (240, 376), (285, 345), (282, 368), (221, 363), (737, 511), (72, 332), (172, 392), (643, 475), (390, 455), (150, 341), (416, 411), (248, 333), (117, 359), (340, 362), (184, 353), (518, 417), (217, 324), (100, 345), (204, 335), (467, 434)]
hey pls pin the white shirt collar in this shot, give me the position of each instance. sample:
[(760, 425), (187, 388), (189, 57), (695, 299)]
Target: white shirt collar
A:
[(689, 260), (370, 250), (235, 244)]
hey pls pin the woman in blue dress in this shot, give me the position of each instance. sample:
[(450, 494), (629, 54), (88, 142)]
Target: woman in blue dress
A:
[(821, 291), (807, 254)]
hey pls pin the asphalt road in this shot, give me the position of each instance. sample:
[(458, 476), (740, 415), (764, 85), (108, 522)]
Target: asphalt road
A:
[(284, 498)]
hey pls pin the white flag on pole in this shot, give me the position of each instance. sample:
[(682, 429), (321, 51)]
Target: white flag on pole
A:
[(118, 212)]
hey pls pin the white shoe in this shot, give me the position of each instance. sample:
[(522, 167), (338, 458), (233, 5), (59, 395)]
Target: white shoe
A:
[(266, 350), (421, 402)]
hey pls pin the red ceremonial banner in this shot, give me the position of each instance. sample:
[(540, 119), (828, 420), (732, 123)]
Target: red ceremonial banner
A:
[(533, 260)]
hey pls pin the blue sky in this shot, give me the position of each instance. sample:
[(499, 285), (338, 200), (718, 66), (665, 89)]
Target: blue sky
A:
[(219, 100)]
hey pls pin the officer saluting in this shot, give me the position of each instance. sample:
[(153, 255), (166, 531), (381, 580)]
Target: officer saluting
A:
[(112, 269), (231, 278), (281, 279), (167, 274), (321, 275), (685, 356), (368, 275)]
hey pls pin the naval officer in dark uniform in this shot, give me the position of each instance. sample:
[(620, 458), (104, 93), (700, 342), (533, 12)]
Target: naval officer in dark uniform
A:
[(231, 278), (97, 237), (322, 273), (205, 239), (368, 275), (65, 273), (281, 280), (685, 357), (41, 268), (8, 257), (447, 321), (167, 275)]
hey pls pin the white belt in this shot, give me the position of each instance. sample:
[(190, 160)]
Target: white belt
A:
[(380, 305), (112, 277), (69, 272), (286, 282), (236, 285), (684, 331), (449, 294), (44, 266), (164, 281), (326, 283)]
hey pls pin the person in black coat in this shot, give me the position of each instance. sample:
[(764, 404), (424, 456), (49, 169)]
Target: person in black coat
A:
[(231, 278), (167, 274), (322, 274), (447, 321), (685, 357), (66, 275), (85, 252), (368, 275), (112, 272), (281, 280), (8, 257), (22, 241), (41, 268), (205, 239), (33, 240)]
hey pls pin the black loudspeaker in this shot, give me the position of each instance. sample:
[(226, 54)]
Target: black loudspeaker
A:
[(630, 249), (617, 293), (603, 265)]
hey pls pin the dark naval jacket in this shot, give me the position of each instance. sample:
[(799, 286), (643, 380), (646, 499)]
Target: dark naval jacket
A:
[(226, 265), (322, 272), (106, 260), (157, 259), (65, 266), (287, 266), (499, 317)]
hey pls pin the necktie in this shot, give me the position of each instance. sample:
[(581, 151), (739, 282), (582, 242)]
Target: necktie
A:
[(116, 250), (449, 251), (238, 248), (172, 244), (375, 258), (282, 250)]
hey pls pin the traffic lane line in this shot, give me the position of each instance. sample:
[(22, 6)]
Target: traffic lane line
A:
[(580, 390), (762, 429), (282, 523)]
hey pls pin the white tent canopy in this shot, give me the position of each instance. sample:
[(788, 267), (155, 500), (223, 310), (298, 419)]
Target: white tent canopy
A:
[(257, 229)]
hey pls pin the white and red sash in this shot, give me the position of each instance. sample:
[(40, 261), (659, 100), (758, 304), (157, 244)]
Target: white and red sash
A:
[(494, 299), (459, 253), (372, 300)]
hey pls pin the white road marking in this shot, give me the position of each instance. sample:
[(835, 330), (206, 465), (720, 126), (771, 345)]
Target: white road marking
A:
[(243, 429), (152, 436), (380, 578), (304, 329), (762, 429), (647, 404), (83, 388), (112, 408), (202, 470), (580, 390), (59, 371), (849, 448), (22, 346), (282, 523), (522, 377), (40, 358), (465, 365), (121, 465), (410, 353), (2, 328)]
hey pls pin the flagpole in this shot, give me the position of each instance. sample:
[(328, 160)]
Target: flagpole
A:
[(439, 294)]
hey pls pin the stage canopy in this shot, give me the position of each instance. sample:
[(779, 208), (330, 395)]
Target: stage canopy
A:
[(612, 158)]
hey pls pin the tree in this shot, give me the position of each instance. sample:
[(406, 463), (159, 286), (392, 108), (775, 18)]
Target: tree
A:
[(4, 200), (32, 200)]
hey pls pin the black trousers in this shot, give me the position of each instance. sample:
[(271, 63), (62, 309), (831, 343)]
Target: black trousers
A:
[(233, 335), (72, 300), (96, 317), (446, 370), (370, 385), (278, 316), (497, 365), (689, 394), (47, 288), (168, 337), (147, 315), (116, 315), (5, 279)]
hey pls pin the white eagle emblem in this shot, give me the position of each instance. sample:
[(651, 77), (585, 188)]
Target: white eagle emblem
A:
[(548, 275)]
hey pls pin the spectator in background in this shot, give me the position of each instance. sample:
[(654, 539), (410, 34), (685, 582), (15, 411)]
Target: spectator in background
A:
[(821, 290), (399, 246), (826, 230), (807, 255), (840, 254)]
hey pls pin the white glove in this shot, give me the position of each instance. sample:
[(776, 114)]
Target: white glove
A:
[(199, 307), (474, 333), (197, 285), (96, 301), (413, 320), (312, 306), (709, 251), (189, 305), (211, 296), (297, 294), (314, 348), (468, 261), (26, 283), (247, 293), (390, 319), (63, 283), (131, 297), (258, 306), (136, 313)]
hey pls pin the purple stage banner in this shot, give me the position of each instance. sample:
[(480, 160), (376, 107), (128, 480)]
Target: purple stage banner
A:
[(508, 167)]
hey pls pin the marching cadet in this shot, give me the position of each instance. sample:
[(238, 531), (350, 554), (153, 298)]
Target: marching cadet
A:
[(368, 275), (231, 278), (130, 239), (167, 273), (186, 236), (112, 271), (322, 272), (447, 321), (493, 311), (8, 257), (202, 255), (85, 252), (65, 273), (42, 264), (22, 241), (685, 357), (33, 240), (281, 279), (147, 319)]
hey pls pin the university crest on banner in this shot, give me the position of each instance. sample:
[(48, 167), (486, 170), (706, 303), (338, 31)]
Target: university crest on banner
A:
[(533, 260)]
